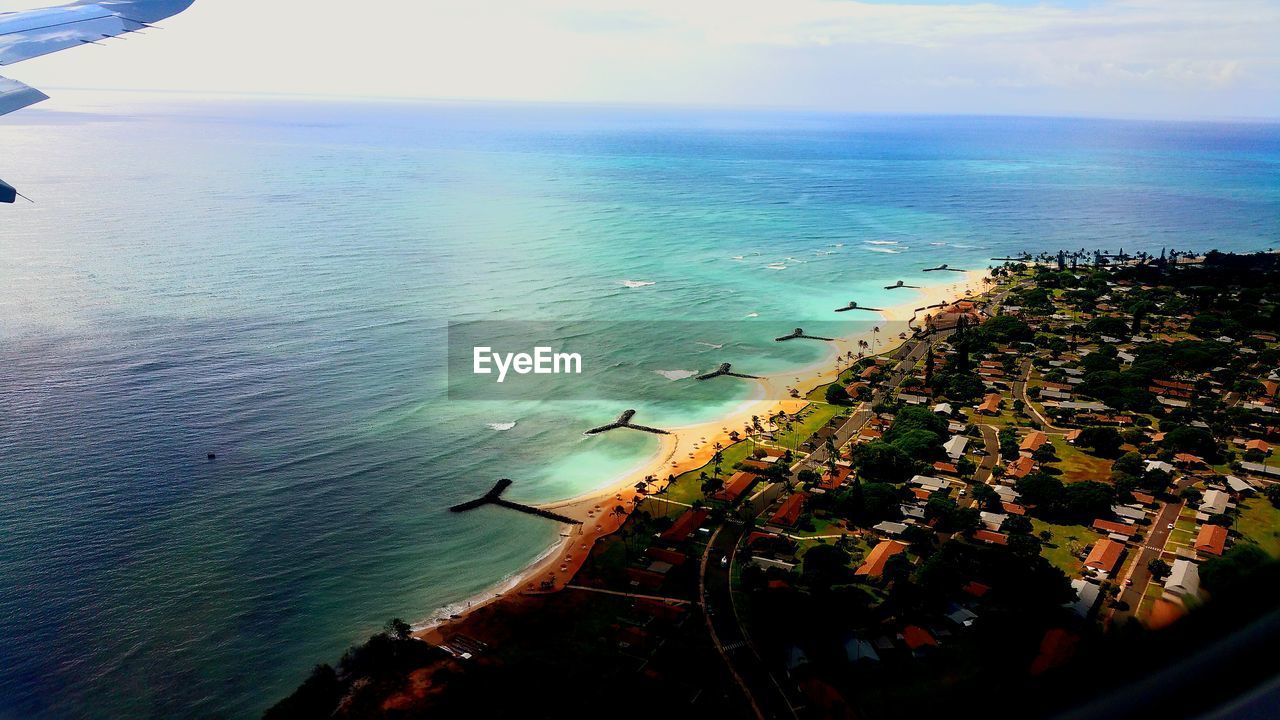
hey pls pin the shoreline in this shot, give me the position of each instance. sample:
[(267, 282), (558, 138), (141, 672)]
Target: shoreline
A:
[(552, 570)]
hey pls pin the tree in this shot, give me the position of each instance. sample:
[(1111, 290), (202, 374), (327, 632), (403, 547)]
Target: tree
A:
[(1159, 568), (836, 395), (1104, 441), (919, 444), (1192, 440), (1130, 463), (1229, 574), (398, 629), (1017, 525), (883, 462), (986, 497), (1221, 519), (915, 418), (824, 566), (1273, 495), (1084, 501)]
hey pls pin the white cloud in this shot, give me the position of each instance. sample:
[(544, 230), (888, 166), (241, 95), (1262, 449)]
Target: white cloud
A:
[(1144, 57)]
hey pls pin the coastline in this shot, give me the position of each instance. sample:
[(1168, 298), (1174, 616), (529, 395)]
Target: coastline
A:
[(562, 560)]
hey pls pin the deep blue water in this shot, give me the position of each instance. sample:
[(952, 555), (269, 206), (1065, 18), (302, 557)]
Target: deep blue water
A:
[(272, 282)]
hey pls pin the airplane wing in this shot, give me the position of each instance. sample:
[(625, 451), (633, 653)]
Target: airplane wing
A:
[(31, 33)]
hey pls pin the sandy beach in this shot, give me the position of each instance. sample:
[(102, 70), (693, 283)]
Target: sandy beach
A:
[(690, 447)]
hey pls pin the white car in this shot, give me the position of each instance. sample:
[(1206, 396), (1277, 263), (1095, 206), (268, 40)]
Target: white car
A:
[(1169, 526)]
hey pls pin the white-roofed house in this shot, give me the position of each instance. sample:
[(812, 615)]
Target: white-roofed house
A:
[(955, 446), (1183, 580)]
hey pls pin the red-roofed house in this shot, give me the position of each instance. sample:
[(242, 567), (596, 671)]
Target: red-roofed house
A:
[(833, 480), (976, 589), (947, 468), (879, 557), (1105, 555), (1212, 540), (1188, 460), (1033, 442), (1111, 526), (917, 637), (1144, 498), (993, 538), (737, 485), (990, 404), (789, 514), (1020, 468), (684, 526)]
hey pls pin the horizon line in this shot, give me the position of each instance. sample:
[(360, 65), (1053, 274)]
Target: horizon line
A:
[(655, 105)]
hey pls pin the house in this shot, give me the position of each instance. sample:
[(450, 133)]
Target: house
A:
[(1188, 460), (932, 484), (1129, 512), (734, 489), (879, 557), (856, 650), (1033, 442), (1184, 579), (947, 468), (893, 529), (1114, 528), (1260, 469), (832, 480), (990, 537), (1238, 486), (789, 514), (1105, 556), (1212, 540), (1143, 498), (1161, 466), (990, 405), (1259, 445), (917, 638), (1020, 468), (1215, 502), (992, 521), (1013, 508), (684, 526), (1087, 595), (1073, 436), (943, 409), (955, 446), (963, 617)]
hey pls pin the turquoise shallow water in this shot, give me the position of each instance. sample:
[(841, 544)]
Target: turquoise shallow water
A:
[(272, 282)]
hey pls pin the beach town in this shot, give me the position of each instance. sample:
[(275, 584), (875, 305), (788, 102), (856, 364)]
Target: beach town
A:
[(1060, 467)]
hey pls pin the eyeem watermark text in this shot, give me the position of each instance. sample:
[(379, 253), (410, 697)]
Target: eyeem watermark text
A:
[(543, 361)]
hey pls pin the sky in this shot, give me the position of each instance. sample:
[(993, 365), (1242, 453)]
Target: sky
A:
[(1172, 59)]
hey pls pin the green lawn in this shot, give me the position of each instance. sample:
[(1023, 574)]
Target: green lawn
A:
[(688, 487), (1259, 521), (1058, 549), (1077, 465), (815, 417), (1150, 595)]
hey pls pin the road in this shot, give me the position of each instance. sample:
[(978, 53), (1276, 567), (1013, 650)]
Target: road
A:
[(1020, 393), (1139, 574), (767, 697), (991, 444)]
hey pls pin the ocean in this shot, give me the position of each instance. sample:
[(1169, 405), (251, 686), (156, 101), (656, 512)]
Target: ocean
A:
[(274, 282)]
